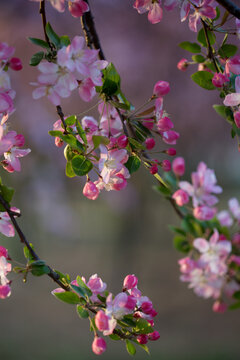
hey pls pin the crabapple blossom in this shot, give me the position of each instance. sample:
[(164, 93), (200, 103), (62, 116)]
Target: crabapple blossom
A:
[(150, 143), (219, 79), (5, 291), (166, 165), (161, 88), (178, 166), (204, 212), (183, 64), (181, 197), (90, 190), (99, 345), (202, 9), (130, 282), (237, 118)]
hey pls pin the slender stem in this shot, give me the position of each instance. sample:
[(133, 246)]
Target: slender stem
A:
[(210, 55), (52, 274), (230, 7), (44, 21), (61, 115)]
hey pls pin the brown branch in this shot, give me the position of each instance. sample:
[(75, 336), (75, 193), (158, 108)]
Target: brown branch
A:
[(61, 115), (52, 274), (42, 12), (210, 54), (230, 7)]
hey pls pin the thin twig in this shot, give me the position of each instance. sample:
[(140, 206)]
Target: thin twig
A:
[(210, 55)]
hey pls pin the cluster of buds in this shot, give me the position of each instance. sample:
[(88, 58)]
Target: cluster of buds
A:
[(5, 268), (76, 7), (128, 315)]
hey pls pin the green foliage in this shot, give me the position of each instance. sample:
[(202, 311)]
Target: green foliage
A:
[(135, 145), (133, 164), (202, 39), (203, 79), (111, 80), (67, 297), (84, 287), (162, 190), (83, 313), (227, 50), (100, 140), (114, 337), (39, 268), (53, 37), (181, 244), (69, 170), (198, 58), (81, 132), (80, 165), (130, 348), (64, 41), (143, 326), (71, 120), (191, 47), (27, 253), (39, 42), (36, 58)]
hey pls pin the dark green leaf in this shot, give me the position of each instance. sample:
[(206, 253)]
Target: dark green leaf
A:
[(111, 80), (220, 110), (202, 39), (143, 326), (80, 165), (7, 193), (81, 132), (191, 47), (236, 295), (99, 140), (233, 134), (83, 286), (181, 244), (177, 230), (71, 120), (133, 164), (71, 140), (162, 189), (145, 348), (130, 348), (64, 41), (198, 58), (234, 306), (78, 290), (128, 320), (53, 37), (135, 144), (236, 129), (227, 50), (27, 253), (39, 42), (67, 296), (203, 79), (217, 14), (83, 313), (36, 58), (39, 268), (114, 337)]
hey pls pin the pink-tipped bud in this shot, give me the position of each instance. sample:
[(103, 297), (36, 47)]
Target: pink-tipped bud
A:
[(146, 307), (148, 123), (170, 137), (15, 64), (122, 141), (153, 169), (77, 8), (164, 124), (90, 190), (150, 143), (3, 252), (58, 142), (181, 197), (99, 345), (161, 88), (153, 313), (219, 79), (178, 166), (5, 291), (154, 336), (171, 152), (219, 307), (101, 321), (130, 282), (237, 118), (166, 165), (142, 339), (182, 65)]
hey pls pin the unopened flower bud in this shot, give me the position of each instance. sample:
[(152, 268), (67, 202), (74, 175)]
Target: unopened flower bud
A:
[(219, 307), (153, 169), (181, 197), (154, 336), (5, 291), (146, 307), (78, 8), (90, 190), (130, 282), (219, 79), (15, 64), (101, 321), (150, 143), (161, 88), (237, 118), (164, 124), (99, 345), (148, 123), (122, 141), (58, 142), (166, 165), (170, 152), (182, 65), (178, 166), (142, 339)]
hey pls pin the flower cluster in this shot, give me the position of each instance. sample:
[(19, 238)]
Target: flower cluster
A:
[(5, 268), (128, 315), (76, 7), (74, 68)]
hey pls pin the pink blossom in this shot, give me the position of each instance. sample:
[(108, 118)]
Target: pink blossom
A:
[(170, 137), (96, 285), (219, 79), (90, 190), (15, 64), (234, 207), (122, 304), (99, 345), (161, 88), (5, 291), (183, 64), (6, 227), (5, 268), (225, 218), (155, 12), (59, 5), (150, 143), (236, 239), (233, 99), (219, 307), (170, 151), (166, 165), (153, 169), (6, 51), (130, 282), (142, 339), (204, 212), (237, 118), (110, 122), (164, 124), (111, 160), (122, 141), (181, 197), (148, 123), (178, 166), (11, 162), (154, 336), (202, 9), (78, 8), (3, 252), (233, 65), (87, 90), (6, 103), (101, 321)]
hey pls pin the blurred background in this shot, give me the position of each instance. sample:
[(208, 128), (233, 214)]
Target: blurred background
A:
[(120, 233)]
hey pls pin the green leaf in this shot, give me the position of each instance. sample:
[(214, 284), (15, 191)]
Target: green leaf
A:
[(7, 193), (202, 39), (162, 189), (36, 58), (80, 165), (191, 47), (71, 120), (133, 164), (203, 79), (78, 290), (81, 132), (145, 348), (68, 153), (53, 37), (181, 244), (83, 286), (130, 348), (114, 337), (233, 134), (111, 80), (198, 58), (39, 42), (39, 268), (119, 105), (236, 129), (177, 230), (71, 140), (64, 41), (128, 320), (143, 326), (135, 144), (55, 133), (217, 14), (99, 140), (27, 253), (227, 50), (69, 170), (236, 295), (83, 313), (234, 306), (220, 110), (67, 297)]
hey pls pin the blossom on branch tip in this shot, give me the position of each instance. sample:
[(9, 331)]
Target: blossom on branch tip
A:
[(99, 345)]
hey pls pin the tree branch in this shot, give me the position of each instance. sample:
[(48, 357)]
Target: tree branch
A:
[(230, 7)]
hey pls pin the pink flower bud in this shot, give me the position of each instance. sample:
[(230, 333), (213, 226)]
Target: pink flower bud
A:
[(142, 339), (154, 336), (161, 88), (15, 64), (77, 8), (3, 252), (101, 321), (153, 313), (90, 190), (219, 79), (58, 142), (182, 65), (148, 123), (181, 197), (146, 307), (164, 124), (219, 307), (178, 166), (120, 182), (204, 212), (99, 345), (5, 291), (171, 152), (166, 165), (170, 137), (122, 141), (150, 143), (130, 282), (153, 169), (237, 118)]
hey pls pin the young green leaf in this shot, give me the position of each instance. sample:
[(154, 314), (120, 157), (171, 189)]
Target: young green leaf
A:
[(203, 79), (130, 348), (202, 39), (39, 42), (53, 37), (71, 120), (36, 58), (198, 58), (227, 50), (111, 80), (100, 140), (133, 164), (69, 170), (191, 47), (67, 297), (181, 244), (82, 312), (64, 41), (80, 165)]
